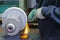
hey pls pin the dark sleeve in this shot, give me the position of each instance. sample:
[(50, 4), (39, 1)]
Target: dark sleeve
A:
[(45, 3), (48, 3)]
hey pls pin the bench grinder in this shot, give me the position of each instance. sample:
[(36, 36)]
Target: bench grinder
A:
[(13, 22)]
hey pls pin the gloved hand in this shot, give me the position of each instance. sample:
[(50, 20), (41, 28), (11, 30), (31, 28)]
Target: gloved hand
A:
[(31, 15), (35, 13), (39, 13)]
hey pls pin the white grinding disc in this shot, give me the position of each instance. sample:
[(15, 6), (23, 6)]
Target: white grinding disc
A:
[(14, 16)]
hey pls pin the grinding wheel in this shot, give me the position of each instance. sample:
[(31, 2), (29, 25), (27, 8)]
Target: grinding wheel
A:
[(13, 20)]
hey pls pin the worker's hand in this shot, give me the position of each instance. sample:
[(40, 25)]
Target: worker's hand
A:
[(32, 15), (36, 13), (39, 13)]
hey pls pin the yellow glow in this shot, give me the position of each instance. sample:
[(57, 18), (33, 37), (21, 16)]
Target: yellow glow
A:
[(24, 35), (26, 31)]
